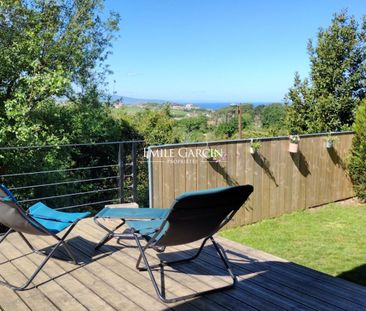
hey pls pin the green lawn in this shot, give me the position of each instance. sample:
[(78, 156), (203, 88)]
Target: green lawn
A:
[(331, 239)]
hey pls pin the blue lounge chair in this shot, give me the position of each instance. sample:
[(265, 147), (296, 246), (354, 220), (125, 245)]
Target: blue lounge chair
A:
[(193, 216), (37, 220)]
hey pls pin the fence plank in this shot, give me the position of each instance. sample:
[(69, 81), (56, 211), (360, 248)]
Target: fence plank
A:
[(283, 182), (157, 176), (168, 179)]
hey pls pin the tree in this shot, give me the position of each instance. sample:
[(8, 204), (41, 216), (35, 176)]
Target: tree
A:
[(49, 49), (52, 70), (227, 129), (196, 123), (357, 165), (273, 116), (156, 126), (328, 100)]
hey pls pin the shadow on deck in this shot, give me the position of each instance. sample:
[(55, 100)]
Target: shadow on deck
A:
[(108, 279)]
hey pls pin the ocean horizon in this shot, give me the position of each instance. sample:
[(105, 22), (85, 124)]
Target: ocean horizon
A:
[(216, 106)]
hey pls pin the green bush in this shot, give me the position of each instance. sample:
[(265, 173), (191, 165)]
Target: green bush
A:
[(357, 165)]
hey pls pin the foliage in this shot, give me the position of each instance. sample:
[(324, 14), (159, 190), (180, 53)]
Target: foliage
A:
[(331, 138), (191, 124), (48, 49), (76, 123), (273, 116), (249, 113), (294, 139), (227, 129), (52, 72), (357, 165), (336, 232), (192, 128), (255, 145), (156, 126), (327, 101), (204, 125)]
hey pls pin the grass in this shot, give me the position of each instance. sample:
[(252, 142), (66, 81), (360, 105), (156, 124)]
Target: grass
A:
[(331, 239)]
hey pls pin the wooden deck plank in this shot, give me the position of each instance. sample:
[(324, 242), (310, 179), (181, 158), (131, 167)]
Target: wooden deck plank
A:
[(297, 306), (252, 292), (248, 296), (55, 293), (12, 300), (32, 298), (200, 283), (312, 282), (76, 280), (109, 280), (322, 277), (129, 257), (118, 275), (249, 271)]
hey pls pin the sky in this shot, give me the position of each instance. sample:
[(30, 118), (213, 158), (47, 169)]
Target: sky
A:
[(215, 50)]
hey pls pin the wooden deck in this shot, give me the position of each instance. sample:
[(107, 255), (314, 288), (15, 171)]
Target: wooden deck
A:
[(108, 280)]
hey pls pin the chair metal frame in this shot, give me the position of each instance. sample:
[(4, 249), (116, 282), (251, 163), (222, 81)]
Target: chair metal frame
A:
[(43, 231), (153, 243), (110, 232), (160, 290), (60, 241)]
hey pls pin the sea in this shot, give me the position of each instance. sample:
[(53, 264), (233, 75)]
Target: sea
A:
[(216, 106)]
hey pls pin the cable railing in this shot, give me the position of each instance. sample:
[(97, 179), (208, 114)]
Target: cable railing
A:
[(72, 176)]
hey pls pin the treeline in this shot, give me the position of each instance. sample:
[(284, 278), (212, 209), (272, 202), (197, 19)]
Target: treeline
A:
[(159, 126)]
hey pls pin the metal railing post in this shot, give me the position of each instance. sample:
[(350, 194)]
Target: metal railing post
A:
[(121, 172), (134, 172)]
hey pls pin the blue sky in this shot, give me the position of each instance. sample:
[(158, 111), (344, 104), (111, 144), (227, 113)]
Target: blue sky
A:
[(215, 50)]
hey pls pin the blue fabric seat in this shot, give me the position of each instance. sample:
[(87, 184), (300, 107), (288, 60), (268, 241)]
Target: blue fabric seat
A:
[(147, 228), (52, 220), (133, 213)]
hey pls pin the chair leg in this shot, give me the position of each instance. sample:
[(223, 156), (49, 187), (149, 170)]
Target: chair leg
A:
[(32, 248), (31, 278), (110, 233), (39, 268), (104, 240), (6, 235), (69, 252), (37, 251), (167, 263), (224, 259), (161, 292)]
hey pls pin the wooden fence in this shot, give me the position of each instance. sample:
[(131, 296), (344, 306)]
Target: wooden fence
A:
[(283, 182)]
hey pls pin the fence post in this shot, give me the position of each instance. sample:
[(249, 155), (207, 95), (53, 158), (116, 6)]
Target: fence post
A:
[(134, 172), (121, 172)]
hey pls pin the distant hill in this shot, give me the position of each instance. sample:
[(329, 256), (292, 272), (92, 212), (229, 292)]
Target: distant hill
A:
[(136, 101), (204, 105)]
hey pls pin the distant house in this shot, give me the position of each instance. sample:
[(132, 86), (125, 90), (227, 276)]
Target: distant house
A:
[(118, 105), (189, 106)]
